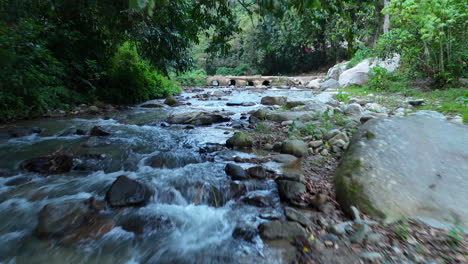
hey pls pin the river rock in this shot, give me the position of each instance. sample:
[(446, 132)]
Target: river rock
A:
[(295, 147), (98, 131), (330, 84), (197, 118), (285, 159), (412, 166), (258, 172), (24, 131), (287, 116), (260, 113), (127, 192), (314, 84), (291, 177), (153, 105), (258, 199), (416, 102), (56, 219), (353, 109), (240, 140), (171, 101), (297, 216), (290, 190), (172, 160), (54, 164), (246, 233), (236, 172), (281, 230), (359, 75), (274, 100), (335, 71)]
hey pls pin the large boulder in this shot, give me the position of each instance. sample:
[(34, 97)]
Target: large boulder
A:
[(359, 75), (295, 147), (314, 84), (240, 140), (127, 192), (274, 100), (335, 71), (52, 164), (413, 166), (197, 118)]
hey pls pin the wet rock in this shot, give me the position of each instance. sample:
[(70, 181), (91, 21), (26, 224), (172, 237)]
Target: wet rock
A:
[(189, 127), (416, 102), (257, 199), (258, 172), (90, 230), (274, 100), (80, 132), (53, 164), (296, 216), (24, 131), (98, 131), (211, 147), (165, 124), (171, 101), (240, 140), (245, 233), (353, 109), (18, 181), (297, 148), (236, 172), (153, 105), (127, 192), (237, 189), (56, 219), (139, 224), (285, 159), (281, 230), (172, 160), (197, 118), (290, 190)]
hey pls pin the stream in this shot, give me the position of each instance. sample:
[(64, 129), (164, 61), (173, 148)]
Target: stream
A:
[(195, 207)]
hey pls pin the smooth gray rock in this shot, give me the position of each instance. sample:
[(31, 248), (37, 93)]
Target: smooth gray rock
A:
[(330, 84), (288, 116), (240, 140), (236, 172), (414, 166), (284, 158), (353, 109), (127, 192), (197, 118), (290, 190), (280, 230), (295, 215), (274, 100)]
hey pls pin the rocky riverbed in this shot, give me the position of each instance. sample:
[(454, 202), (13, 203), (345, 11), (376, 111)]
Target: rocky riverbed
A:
[(230, 175)]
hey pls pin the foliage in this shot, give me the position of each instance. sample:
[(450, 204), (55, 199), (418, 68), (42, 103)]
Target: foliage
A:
[(239, 70), (381, 80), (360, 55), (342, 97), (32, 79), (133, 80), (190, 78), (430, 35), (402, 230)]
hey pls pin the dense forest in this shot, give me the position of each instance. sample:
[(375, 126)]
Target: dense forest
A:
[(58, 54)]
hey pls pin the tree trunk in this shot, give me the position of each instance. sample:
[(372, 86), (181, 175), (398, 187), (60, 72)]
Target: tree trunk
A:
[(386, 23)]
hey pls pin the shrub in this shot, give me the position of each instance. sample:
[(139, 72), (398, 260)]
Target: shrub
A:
[(191, 78), (382, 80), (133, 80), (360, 55)]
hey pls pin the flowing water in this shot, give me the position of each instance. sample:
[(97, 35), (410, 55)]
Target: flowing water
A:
[(192, 214)]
